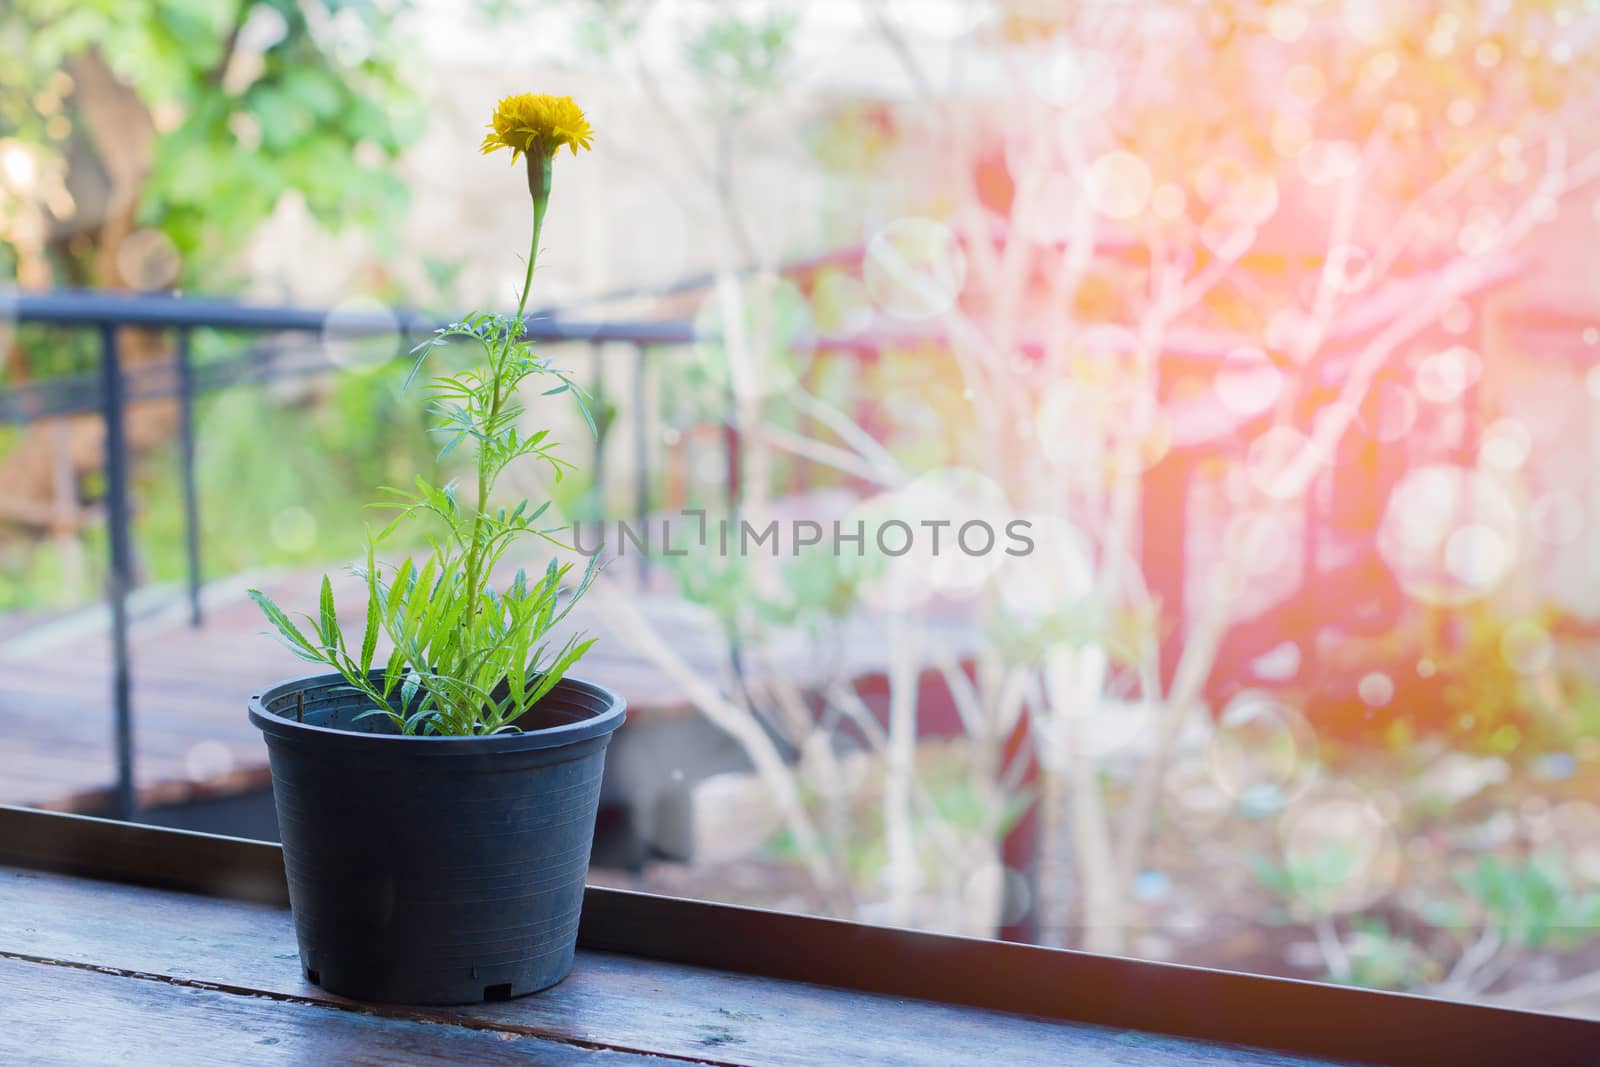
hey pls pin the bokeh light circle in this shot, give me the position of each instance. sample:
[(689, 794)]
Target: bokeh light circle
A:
[(1477, 554), (959, 517), (1082, 80), (1443, 376), (1118, 185), (206, 761), (1324, 162), (1340, 853), (1056, 575), (361, 333), (293, 529), (1287, 22), (19, 167), (1389, 413), (891, 580), (1449, 534), (1348, 268), (147, 259), (1375, 689), (1262, 753), (1506, 444)]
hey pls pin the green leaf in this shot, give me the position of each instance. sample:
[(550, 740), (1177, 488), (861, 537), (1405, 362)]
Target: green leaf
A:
[(329, 629), (573, 652), (285, 626), (369, 637), (390, 527), (399, 593), (426, 347), (386, 712), (408, 689), (581, 397), (392, 671)]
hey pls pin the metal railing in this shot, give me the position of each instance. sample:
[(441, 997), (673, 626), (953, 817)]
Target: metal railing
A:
[(109, 390)]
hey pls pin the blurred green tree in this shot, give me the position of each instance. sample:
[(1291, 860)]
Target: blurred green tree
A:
[(142, 141)]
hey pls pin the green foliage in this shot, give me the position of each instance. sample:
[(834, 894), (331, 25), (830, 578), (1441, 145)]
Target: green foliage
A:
[(51, 352), (1531, 902), (603, 24), (1381, 958), (746, 52), (956, 807), (465, 659), (311, 100), (725, 584), (1308, 884), (291, 504), (823, 585), (742, 53)]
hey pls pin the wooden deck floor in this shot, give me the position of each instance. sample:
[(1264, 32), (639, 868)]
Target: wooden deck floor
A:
[(97, 972), (191, 736)]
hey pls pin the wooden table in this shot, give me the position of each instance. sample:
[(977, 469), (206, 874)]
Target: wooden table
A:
[(128, 945)]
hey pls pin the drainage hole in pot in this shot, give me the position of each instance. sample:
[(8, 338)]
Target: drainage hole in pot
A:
[(497, 992)]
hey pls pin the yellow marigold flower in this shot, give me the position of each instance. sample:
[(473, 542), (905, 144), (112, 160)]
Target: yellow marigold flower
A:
[(537, 124)]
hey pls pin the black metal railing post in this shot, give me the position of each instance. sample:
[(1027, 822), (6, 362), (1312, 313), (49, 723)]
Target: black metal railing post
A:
[(191, 506), (120, 578), (641, 454)]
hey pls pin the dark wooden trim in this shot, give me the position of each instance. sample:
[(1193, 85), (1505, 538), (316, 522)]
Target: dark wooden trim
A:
[(1306, 1017), (143, 855)]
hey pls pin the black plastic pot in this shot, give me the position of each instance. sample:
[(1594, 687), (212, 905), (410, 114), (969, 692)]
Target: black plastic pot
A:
[(434, 870)]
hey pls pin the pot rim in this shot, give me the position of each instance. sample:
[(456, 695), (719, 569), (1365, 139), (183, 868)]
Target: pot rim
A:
[(276, 726)]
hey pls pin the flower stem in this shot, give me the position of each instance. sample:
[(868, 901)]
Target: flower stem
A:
[(539, 188)]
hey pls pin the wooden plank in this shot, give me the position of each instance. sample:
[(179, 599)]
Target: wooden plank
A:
[(71, 1015), (72, 756), (1121, 994), (610, 1000)]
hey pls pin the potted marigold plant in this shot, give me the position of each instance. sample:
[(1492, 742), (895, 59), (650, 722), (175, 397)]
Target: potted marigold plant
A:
[(436, 801)]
